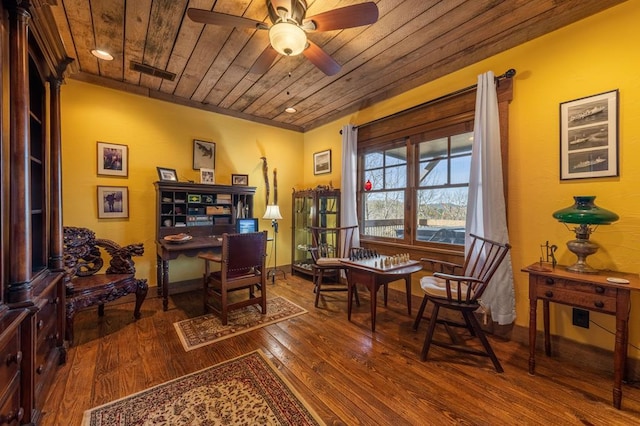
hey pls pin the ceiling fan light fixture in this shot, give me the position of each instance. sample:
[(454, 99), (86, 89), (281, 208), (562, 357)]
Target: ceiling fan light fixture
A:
[(287, 38), (102, 54)]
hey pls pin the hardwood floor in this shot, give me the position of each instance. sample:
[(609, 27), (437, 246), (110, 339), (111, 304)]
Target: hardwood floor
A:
[(349, 375)]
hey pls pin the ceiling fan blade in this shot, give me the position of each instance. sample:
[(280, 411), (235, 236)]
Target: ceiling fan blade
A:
[(345, 17), (216, 18), (264, 61), (321, 59)]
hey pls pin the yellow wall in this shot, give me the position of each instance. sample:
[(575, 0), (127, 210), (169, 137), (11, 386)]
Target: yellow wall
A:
[(595, 55), (161, 134), (592, 56)]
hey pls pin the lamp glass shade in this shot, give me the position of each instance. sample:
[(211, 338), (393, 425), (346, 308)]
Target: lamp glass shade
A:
[(287, 38), (585, 212), (273, 212)]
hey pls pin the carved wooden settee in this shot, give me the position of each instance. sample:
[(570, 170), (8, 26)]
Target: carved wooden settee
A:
[(84, 287)]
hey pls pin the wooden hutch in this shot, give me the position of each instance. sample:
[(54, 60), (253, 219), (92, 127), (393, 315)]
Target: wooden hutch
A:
[(31, 263)]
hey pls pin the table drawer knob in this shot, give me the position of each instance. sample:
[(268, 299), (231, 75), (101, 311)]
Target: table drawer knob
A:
[(548, 293), (599, 290), (549, 281), (11, 358), (599, 304)]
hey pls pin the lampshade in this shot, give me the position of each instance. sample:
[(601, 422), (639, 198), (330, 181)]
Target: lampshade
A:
[(584, 213), (273, 212), (287, 38)]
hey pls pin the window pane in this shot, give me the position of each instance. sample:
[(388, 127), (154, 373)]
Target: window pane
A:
[(384, 214), (460, 169), (461, 144), (442, 215), (395, 177), (395, 156), (375, 176), (433, 173), (372, 160), (436, 148)]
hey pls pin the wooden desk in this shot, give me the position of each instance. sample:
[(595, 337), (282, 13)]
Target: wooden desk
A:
[(166, 251), (363, 272), (587, 291)]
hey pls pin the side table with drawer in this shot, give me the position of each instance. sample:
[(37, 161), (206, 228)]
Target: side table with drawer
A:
[(587, 291)]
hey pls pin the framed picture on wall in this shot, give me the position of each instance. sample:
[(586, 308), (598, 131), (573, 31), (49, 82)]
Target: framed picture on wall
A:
[(208, 176), (113, 159), (113, 202), (322, 162), (589, 137), (242, 180), (204, 155)]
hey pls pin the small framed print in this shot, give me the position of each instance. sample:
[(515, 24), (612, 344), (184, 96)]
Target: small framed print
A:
[(167, 175), (207, 176), (322, 162), (589, 137), (242, 180), (113, 202), (204, 155), (113, 159)]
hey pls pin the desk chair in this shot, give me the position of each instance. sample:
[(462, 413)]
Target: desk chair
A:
[(460, 290), (242, 267), (329, 245)]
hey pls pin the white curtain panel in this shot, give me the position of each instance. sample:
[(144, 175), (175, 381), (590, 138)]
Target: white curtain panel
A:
[(348, 184), (486, 212)]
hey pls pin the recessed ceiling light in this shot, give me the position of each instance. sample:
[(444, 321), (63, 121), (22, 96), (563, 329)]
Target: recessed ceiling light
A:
[(101, 54), (290, 110)]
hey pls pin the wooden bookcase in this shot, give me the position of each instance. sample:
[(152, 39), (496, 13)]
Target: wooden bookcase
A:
[(32, 292), (199, 209)]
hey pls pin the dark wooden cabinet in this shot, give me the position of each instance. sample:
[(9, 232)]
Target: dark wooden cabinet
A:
[(200, 210), (311, 207), (32, 293)]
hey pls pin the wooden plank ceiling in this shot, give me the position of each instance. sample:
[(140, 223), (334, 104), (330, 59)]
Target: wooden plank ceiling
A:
[(413, 42)]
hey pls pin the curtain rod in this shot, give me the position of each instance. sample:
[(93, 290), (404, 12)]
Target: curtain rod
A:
[(507, 74)]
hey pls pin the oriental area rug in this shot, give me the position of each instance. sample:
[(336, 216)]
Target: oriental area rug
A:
[(206, 329), (248, 390)]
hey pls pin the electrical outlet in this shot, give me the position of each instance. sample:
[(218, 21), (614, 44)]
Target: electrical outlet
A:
[(580, 318)]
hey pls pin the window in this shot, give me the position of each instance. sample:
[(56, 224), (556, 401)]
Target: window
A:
[(383, 206), (418, 162), (439, 190)]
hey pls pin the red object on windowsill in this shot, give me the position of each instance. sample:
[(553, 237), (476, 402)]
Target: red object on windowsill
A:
[(367, 185)]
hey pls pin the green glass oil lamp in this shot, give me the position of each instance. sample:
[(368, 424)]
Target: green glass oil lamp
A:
[(587, 217)]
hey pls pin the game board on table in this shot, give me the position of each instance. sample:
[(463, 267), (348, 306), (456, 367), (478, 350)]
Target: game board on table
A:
[(378, 262)]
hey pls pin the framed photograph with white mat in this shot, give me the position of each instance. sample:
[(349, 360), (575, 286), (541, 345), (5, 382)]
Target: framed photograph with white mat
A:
[(589, 137), (113, 202), (208, 176)]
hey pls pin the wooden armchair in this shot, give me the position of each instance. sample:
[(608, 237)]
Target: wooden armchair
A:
[(84, 287), (460, 288), (242, 267), (329, 245)]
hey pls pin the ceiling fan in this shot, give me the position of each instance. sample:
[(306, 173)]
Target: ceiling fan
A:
[(288, 32)]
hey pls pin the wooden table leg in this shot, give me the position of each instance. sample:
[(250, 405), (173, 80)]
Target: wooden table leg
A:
[(159, 274), (373, 288), (533, 304), (165, 285), (620, 348), (407, 280), (547, 333)]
